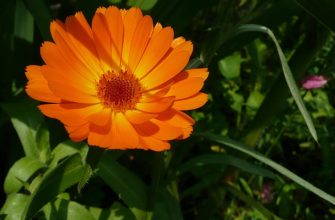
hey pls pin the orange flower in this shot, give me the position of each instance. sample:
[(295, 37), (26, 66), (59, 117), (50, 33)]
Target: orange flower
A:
[(119, 84)]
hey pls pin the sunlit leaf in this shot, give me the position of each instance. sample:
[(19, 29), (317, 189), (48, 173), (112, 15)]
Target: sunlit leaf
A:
[(116, 212), (230, 66), (55, 181), (66, 149), (20, 173), (86, 175), (143, 4), (26, 124), (255, 99), (65, 209), (14, 206)]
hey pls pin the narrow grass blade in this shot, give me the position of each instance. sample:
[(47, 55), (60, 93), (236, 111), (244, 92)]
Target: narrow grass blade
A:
[(287, 73), (282, 170)]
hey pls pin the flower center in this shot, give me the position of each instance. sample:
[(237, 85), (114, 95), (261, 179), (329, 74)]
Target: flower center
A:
[(120, 92)]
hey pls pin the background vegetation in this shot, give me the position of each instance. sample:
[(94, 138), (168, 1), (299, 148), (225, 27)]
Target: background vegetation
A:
[(209, 176)]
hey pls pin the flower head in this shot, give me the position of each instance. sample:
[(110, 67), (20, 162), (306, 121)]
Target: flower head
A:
[(119, 83), (314, 82)]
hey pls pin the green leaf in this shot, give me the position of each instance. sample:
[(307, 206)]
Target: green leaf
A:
[(14, 206), (230, 66), (142, 4), (24, 22), (20, 173), (166, 207), (282, 170), (218, 159), (41, 13), (116, 212), (26, 124), (287, 73), (65, 209), (255, 99), (126, 184), (55, 181), (43, 143), (322, 10), (66, 149), (87, 174)]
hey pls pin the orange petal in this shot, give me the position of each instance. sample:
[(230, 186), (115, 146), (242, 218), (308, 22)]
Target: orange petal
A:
[(158, 27), (176, 42), (100, 135), (157, 106), (80, 38), (66, 90), (78, 133), (186, 88), (156, 49), (118, 134), (139, 42), (72, 48), (100, 118), (103, 43), (155, 95), (138, 117), (37, 86), (69, 67), (168, 68), (178, 119), (198, 72), (71, 114), (101, 10), (115, 26), (131, 20), (153, 144), (158, 129), (69, 73), (124, 134), (190, 73), (191, 103), (84, 24), (81, 35)]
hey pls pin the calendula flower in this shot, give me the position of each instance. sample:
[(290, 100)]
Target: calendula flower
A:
[(119, 83)]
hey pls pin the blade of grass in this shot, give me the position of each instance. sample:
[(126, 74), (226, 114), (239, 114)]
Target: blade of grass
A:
[(287, 73), (282, 170)]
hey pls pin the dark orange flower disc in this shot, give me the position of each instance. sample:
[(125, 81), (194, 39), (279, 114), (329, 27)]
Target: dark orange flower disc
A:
[(119, 83)]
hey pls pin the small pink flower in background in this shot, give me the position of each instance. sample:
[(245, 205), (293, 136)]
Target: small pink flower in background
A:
[(266, 193), (314, 82)]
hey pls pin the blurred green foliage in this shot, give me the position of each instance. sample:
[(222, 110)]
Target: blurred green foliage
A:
[(208, 176)]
